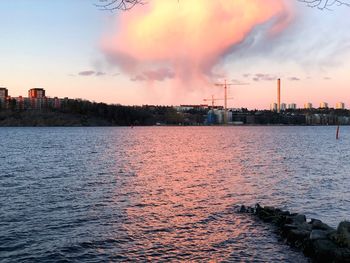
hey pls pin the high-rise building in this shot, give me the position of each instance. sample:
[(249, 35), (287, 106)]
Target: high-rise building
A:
[(36, 93), (292, 106), (308, 106), (3, 93), (323, 105), (340, 106), (273, 107)]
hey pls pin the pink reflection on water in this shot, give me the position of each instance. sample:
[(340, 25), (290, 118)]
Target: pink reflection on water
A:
[(183, 190)]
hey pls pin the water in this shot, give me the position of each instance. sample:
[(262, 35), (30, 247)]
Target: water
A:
[(164, 193)]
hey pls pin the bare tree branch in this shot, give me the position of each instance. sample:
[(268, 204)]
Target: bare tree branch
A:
[(325, 4), (124, 5)]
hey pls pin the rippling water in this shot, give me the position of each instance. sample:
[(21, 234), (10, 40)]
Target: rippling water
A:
[(163, 193)]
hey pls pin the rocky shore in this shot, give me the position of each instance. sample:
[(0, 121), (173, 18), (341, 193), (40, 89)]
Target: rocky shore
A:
[(316, 239)]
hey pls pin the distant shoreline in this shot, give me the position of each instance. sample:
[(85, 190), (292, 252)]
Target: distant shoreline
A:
[(160, 126)]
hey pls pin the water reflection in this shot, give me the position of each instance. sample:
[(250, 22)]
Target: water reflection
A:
[(184, 188), (163, 193)]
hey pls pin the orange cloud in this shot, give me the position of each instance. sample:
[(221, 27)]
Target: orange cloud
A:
[(188, 37)]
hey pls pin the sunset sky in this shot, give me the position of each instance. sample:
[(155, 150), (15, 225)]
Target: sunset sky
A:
[(170, 53)]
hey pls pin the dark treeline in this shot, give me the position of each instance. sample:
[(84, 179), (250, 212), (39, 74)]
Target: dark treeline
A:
[(86, 113), (133, 115), (72, 112)]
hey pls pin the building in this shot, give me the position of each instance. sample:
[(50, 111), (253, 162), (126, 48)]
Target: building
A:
[(36, 93), (323, 105), (308, 106), (4, 98), (183, 108), (220, 116), (273, 107), (19, 103), (37, 98), (211, 117), (292, 106), (3, 93), (283, 106), (340, 106)]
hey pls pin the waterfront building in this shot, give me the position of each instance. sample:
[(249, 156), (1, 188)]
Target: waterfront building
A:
[(292, 106), (283, 106), (229, 116), (308, 106), (182, 108), (273, 107), (211, 117), (340, 106), (323, 105), (219, 114)]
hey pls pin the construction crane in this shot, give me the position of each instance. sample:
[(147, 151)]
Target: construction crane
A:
[(212, 99), (225, 85)]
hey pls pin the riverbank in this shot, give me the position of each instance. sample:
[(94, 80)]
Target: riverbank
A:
[(316, 239), (49, 119), (62, 119)]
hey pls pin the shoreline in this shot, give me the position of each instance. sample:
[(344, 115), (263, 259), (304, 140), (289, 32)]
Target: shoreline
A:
[(182, 126), (317, 240)]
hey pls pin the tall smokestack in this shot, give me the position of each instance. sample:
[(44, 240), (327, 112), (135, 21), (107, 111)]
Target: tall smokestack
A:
[(279, 95)]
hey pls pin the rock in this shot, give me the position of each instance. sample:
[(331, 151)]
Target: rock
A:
[(342, 255), (318, 234), (250, 210), (285, 213), (324, 250), (296, 219), (297, 236), (318, 224), (299, 219), (289, 227), (265, 215), (269, 209), (305, 226), (343, 234), (242, 209), (316, 239)]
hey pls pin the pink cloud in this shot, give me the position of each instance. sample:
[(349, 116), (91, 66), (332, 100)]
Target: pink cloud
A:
[(189, 38)]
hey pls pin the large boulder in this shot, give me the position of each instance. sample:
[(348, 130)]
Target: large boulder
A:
[(296, 219), (297, 237), (342, 255), (343, 234), (318, 234), (318, 224), (323, 250)]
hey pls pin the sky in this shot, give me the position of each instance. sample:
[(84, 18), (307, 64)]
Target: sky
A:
[(170, 53)]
